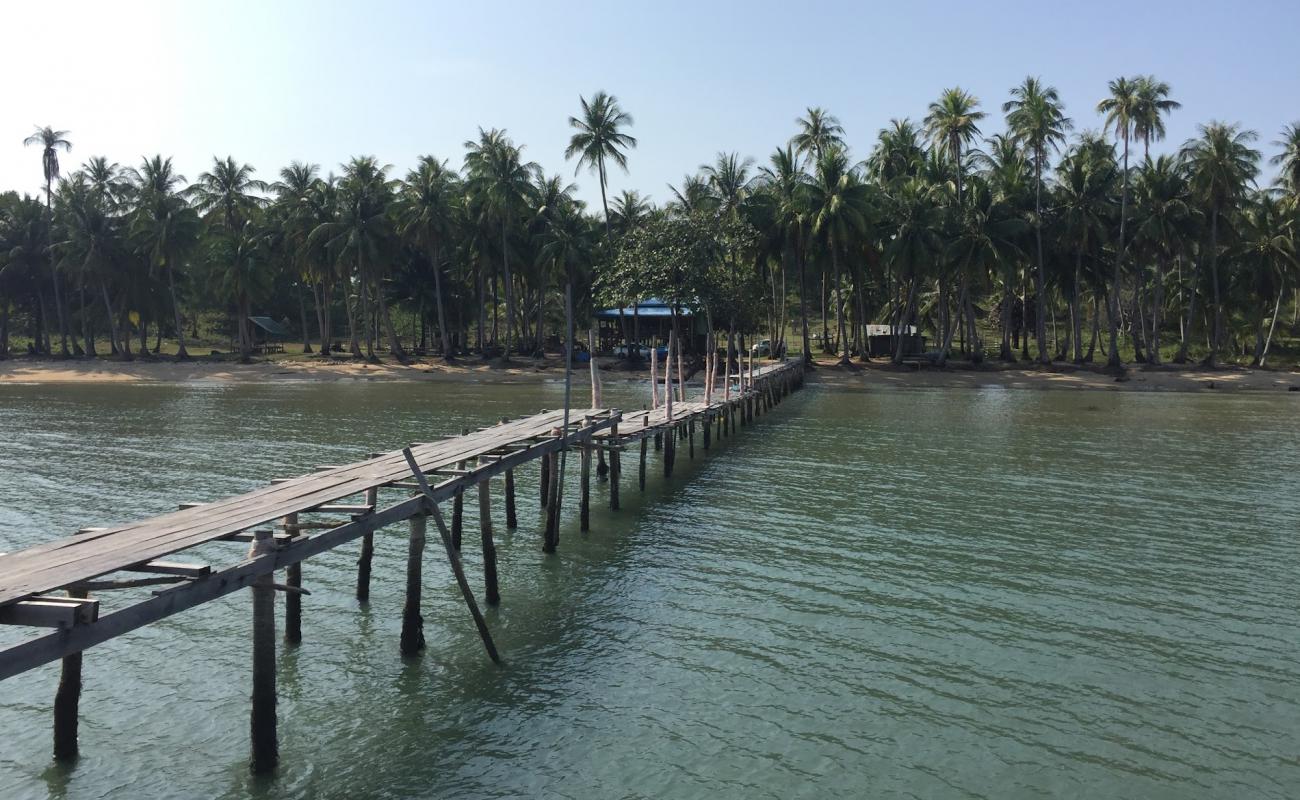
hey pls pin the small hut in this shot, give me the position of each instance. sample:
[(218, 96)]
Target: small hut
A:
[(647, 323), (269, 336)]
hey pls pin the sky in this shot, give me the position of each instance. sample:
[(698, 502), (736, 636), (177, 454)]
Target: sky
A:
[(271, 81)]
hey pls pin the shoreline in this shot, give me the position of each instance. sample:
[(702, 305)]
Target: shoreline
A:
[(875, 375)]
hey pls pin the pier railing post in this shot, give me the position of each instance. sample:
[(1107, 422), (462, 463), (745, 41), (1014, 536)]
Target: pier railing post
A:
[(262, 722), (412, 641)]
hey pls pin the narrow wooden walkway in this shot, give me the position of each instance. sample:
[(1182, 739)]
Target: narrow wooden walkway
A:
[(293, 519)]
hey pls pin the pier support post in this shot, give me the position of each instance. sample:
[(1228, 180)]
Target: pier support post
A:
[(67, 703), (690, 432), (412, 641), (584, 524), (642, 473), (293, 599), (492, 594), (551, 539), (546, 480), (707, 427), (512, 520), (602, 469), (458, 506), (615, 467), (262, 722), (367, 553), (670, 445), (659, 441)]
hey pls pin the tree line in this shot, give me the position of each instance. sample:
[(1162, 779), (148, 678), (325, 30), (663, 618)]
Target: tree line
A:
[(1041, 237)]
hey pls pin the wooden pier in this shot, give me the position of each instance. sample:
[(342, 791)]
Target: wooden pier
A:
[(54, 588)]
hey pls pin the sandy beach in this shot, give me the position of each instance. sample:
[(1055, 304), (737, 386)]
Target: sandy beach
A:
[(875, 375)]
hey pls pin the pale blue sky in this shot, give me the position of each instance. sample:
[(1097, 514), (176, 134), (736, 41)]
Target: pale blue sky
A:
[(272, 81)]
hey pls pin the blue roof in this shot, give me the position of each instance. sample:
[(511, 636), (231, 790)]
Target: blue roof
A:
[(650, 307)]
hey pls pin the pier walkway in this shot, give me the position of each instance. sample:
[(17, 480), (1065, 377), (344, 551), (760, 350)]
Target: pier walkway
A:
[(53, 588)]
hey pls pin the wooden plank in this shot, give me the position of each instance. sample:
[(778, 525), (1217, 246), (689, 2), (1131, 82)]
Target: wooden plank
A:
[(173, 568), (50, 612)]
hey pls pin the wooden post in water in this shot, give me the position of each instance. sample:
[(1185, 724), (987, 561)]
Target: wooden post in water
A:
[(707, 427), (262, 722), (615, 467), (367, 553), (412, 641), (512, 521), (690, 431), (458, 506), (546, 480), (551, 538), (292, 598), (67, 703), (584, 513), (642, 474), (492, 594), (670, 448)]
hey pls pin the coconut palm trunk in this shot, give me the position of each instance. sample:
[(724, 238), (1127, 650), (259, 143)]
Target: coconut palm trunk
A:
[(1040, 280), (112, 318), (803, 297), (1112, 360), (181, 353), (510, 292), (1216, 332), (443, 336)]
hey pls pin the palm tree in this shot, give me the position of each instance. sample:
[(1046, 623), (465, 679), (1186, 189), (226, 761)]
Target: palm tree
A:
[(426, 215), (631, 209), (1122, 111), (952, 122), (1266, 255), (787, 184), (1222, 167), (913, 222), (1165, 219), (694, 195), (227, 192), (839, 204), (239, 257), (165, 225), (729, 181), (1152, 106), (1037, 121), (1288, 177), (818, 132), (898, 153), (599, 138), (502, 183), (295, 212), (51, 142)]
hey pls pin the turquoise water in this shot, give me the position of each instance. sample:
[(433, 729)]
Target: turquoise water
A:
[(896, 593)]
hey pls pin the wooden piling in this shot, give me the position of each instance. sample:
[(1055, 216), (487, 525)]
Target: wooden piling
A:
[(412, 641), (615, 468), (584, 523), (546, 480), (367, 553), (670, 449), (707, 427), (492, 595), (512, 521), (551, 538), (643, 454), (690, 435), (293, 599), (458, 507), (67, 703), (262, 721)]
